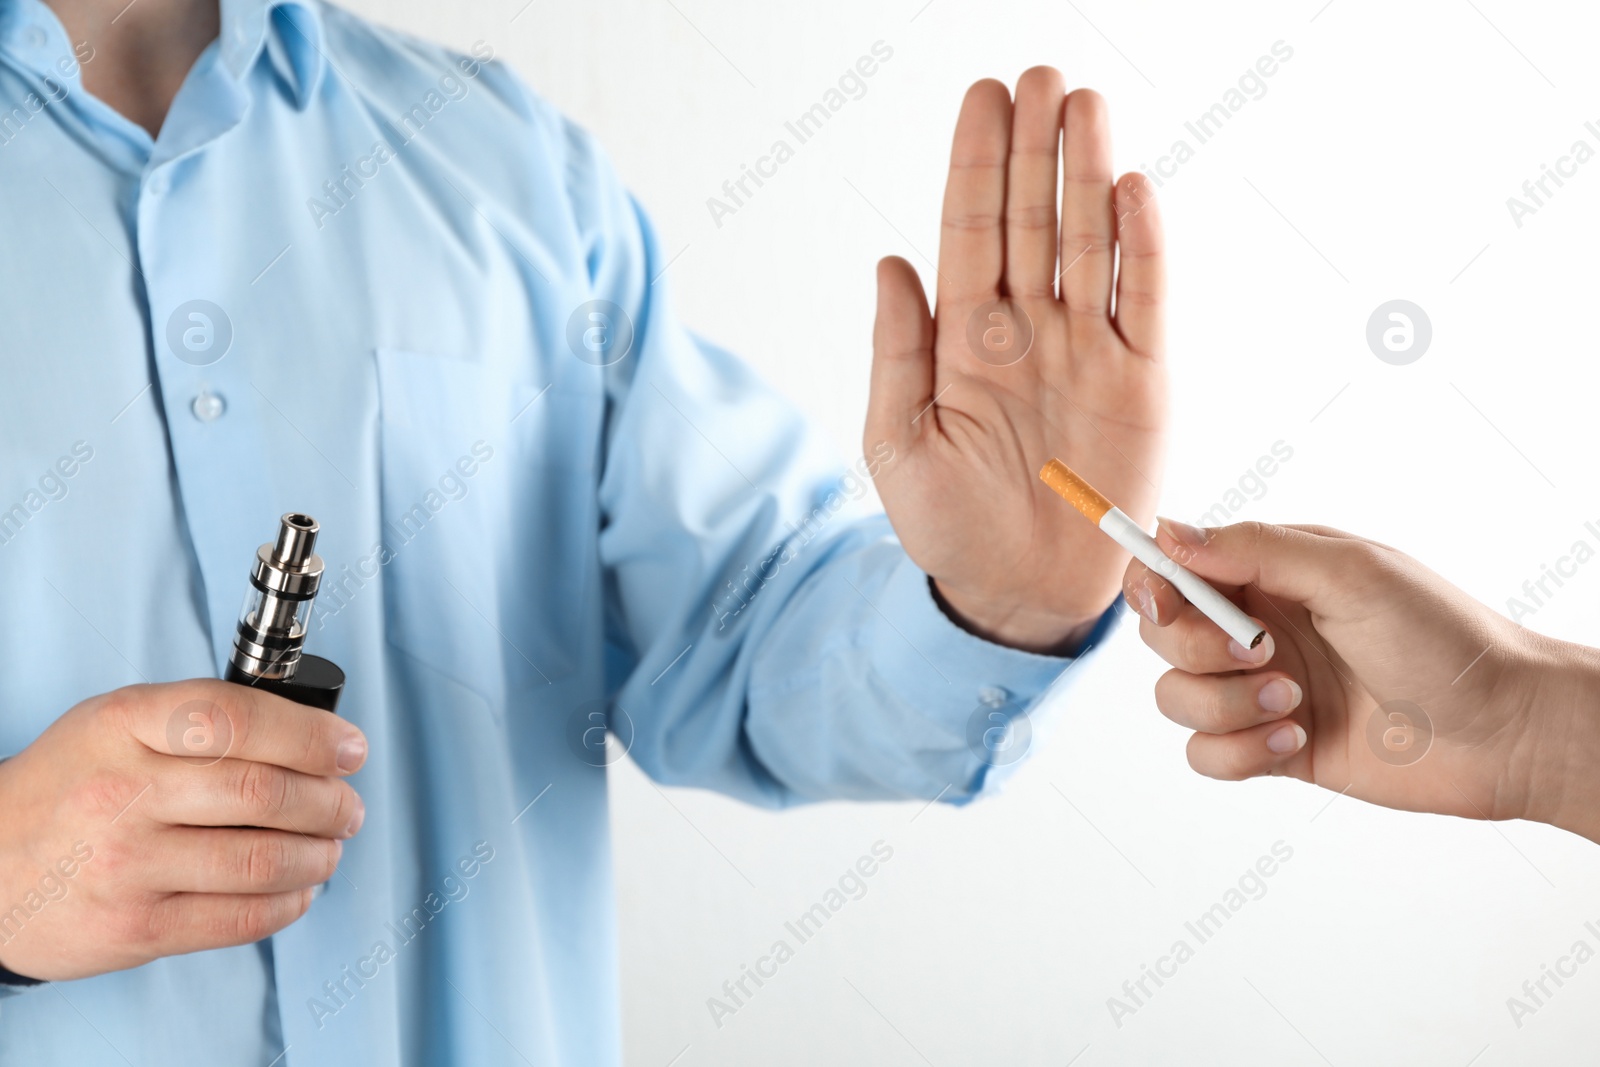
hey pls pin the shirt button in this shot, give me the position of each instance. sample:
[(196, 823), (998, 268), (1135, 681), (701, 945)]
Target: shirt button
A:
[(992, 696), (157, 183), (208, 406), (36, 37)]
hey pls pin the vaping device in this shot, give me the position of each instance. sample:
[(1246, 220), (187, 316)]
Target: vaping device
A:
[(268, 645)]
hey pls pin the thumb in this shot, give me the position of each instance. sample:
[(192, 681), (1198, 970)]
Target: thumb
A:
[(902, 357), (1282, 561)]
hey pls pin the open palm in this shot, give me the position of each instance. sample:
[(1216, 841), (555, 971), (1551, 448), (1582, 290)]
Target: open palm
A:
[(1027, 356)]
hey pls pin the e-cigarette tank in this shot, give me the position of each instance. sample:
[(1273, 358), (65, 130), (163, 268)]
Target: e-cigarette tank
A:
[(268, 647)]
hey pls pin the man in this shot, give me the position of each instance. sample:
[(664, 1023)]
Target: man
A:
[(271, 258)]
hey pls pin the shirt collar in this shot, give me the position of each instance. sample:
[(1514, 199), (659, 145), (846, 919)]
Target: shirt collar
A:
[(31, 36), (291, 33)]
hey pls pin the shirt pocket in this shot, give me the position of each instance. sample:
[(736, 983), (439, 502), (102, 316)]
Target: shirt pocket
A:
[(489, 520)]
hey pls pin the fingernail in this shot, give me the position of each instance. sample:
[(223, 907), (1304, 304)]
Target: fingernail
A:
[(1258, 655), (1286, 739), (1279, 696), (352, 753), (1183, 533), (1144, 602), (354, 826)]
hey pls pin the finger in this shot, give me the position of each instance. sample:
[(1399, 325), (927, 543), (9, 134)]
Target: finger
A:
[(1151, 595), (1333, 531), (1192, 642), (208, 718), (1246, 753), (1280, 561), (236, 792), (1141, 267), (1323, 531), (971, 238), (1031, 235), (902, 358), (243, 861), (1087, 223), (191, 922), (1223, 705)]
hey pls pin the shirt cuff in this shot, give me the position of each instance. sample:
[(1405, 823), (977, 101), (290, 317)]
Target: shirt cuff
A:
[(12, 984), (978, 690)]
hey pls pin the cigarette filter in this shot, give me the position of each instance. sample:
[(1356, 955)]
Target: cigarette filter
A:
[(1127, 533)]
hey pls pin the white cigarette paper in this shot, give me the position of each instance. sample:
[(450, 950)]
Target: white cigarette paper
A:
[(1127, 533), (1212, 604)]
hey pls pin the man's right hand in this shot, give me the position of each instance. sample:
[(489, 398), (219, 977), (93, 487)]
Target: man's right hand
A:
[(192, 815)]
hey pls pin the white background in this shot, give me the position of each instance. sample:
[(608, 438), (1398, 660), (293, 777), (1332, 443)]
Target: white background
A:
[(1377, 166)]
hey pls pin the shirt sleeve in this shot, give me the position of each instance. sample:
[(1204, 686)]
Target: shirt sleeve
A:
[(767, 635)]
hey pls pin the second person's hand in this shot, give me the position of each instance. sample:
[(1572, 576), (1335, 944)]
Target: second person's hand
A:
[(1378, 678)]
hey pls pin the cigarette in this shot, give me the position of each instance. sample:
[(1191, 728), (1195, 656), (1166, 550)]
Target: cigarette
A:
[(1125, 532)]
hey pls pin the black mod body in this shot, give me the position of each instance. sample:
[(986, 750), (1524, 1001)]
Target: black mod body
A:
[(317, 683)]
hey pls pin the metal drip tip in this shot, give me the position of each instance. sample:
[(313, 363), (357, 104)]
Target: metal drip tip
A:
[(296, 536)]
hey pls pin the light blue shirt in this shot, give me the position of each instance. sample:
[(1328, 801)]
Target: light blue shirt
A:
[(366, 278)]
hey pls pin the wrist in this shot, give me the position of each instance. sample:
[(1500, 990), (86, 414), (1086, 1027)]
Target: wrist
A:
[(1043, 633), (1564, 719)]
